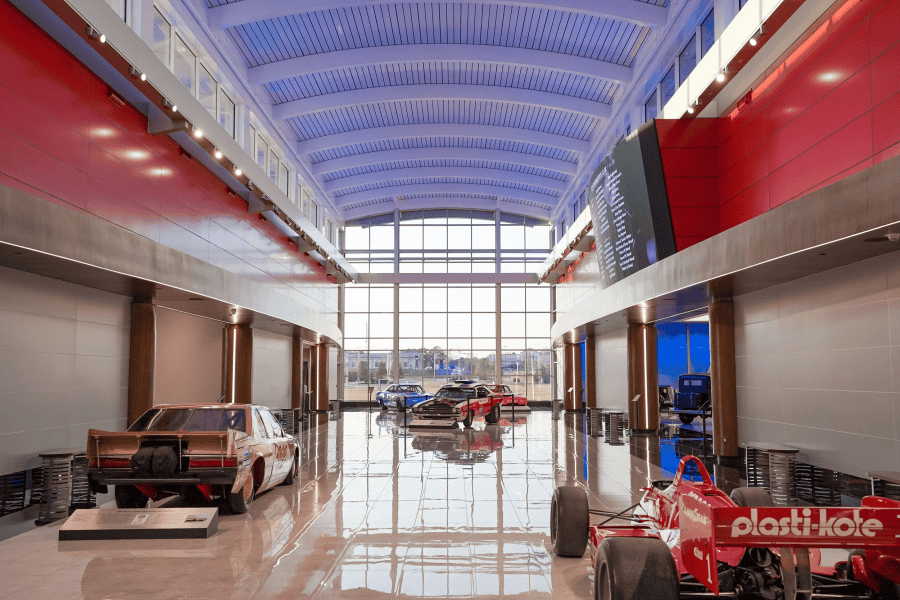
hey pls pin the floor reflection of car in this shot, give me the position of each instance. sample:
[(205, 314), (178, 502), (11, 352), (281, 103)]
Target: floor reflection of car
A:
[(460, 445), (401, 396), (242, 565)]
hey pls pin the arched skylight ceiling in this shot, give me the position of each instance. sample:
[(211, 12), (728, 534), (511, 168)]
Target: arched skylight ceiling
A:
[(441, 104)]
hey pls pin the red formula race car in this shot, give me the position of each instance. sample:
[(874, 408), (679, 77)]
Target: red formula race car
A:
[(689, 540)]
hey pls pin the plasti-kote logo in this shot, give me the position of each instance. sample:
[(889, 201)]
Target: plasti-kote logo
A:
[(802, 522)]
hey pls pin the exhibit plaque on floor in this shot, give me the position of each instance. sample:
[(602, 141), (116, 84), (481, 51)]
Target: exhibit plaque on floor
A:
[(140, 523)]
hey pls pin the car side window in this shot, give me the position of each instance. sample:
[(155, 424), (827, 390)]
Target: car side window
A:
[(272, 422), (265, 430)]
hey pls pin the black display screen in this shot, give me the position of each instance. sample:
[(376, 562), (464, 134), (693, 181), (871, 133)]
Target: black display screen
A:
[(629, 207)]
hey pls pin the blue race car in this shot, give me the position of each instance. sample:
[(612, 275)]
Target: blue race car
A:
[(401, 396)]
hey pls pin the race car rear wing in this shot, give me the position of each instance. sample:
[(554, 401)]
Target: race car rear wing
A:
[(873, 526)]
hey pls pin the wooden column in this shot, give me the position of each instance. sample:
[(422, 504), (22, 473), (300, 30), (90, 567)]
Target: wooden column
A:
[(297, 374), (578, 377), (322, 377), (569, 364), (239, 364), (141, 360), (722, 371), (311, 386), (643, 378), (590, 372)]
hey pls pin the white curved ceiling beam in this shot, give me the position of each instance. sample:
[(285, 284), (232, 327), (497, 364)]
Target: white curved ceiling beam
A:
[(471, 172), (249, 11), (448, 202), (410, 53), (440, 91), (447, 188), (443, 153), (395, 132)]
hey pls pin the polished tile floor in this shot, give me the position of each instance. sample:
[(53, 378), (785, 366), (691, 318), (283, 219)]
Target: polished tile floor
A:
[(379, 510)]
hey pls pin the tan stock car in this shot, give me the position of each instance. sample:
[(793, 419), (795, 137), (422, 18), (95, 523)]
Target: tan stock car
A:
[(230, 451)]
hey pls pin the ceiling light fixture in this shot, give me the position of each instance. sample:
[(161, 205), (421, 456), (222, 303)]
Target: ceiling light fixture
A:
[(759, 33), (135, 74), (198, 133), (721, 76), (95, 35), (238, 172), (217, 153), (170, 105)]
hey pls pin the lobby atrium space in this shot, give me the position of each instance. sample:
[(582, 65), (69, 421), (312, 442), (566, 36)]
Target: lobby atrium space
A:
[(502, 299)]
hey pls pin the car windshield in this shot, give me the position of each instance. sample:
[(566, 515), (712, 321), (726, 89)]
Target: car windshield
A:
[(455, 393), (191, 419), (700, 383), (411, 389)]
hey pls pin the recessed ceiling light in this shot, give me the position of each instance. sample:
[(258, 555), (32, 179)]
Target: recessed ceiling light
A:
[(217, 154)]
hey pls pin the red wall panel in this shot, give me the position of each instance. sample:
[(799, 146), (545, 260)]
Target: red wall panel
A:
[(829, 106), (62, 139)]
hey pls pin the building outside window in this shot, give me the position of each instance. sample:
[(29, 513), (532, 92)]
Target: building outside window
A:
[(707, 34), (162, 38), (184, 64), (687, 60), (447, 330), (226, 113)]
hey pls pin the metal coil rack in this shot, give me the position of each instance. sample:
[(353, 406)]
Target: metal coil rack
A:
[(615, 428), (594, 421), (12, 492), (775, 469), (82, 496), (290, 420), (57, 488), (818, 486)]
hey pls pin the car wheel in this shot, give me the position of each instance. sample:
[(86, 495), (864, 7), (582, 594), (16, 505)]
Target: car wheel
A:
[(627, 568), (569, 521), (493, 416), (686, 419), (292, 473), (382, 404), (470, 417), (128, 496), (751, 497), (239, 502)]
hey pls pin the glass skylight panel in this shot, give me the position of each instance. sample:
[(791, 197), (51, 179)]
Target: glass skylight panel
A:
[(687, 60), (707, 33)]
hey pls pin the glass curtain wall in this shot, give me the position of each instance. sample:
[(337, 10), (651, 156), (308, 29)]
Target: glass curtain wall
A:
[(447, 331)]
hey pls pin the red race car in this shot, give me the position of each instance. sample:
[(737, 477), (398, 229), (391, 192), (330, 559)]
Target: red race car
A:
[(459, 402), (690, 540)]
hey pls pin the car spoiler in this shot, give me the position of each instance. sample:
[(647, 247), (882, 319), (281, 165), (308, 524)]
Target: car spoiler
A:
[(793, 530)]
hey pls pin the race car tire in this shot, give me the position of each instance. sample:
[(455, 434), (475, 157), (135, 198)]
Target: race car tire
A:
[(128, 496), (629, 568), (292, 472), (240, 501), (751, 497), (494, 416), (569, 521), (383, 405), (686, 419), (470, 418)]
